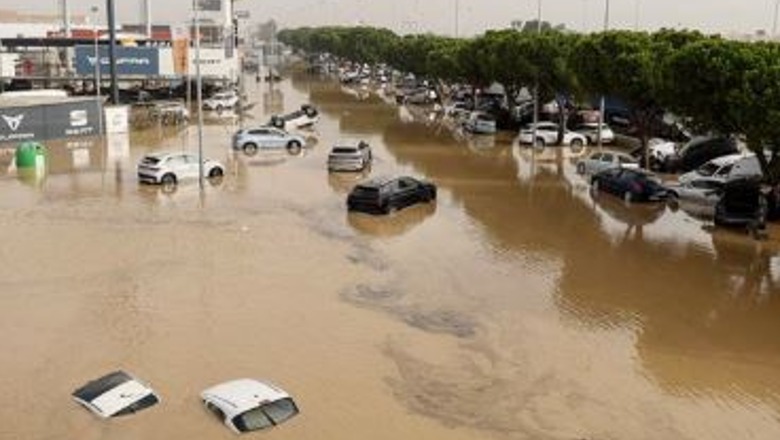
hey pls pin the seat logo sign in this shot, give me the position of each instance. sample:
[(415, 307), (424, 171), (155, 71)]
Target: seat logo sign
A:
[(13, 122), (79, 118)]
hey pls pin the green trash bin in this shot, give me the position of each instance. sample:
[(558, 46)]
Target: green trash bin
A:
[(29, 155)]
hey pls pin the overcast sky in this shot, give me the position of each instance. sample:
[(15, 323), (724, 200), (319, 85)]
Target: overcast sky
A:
[(722, 16)]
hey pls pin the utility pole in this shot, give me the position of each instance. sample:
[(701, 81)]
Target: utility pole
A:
[(111, 11), (602, 104), (199, 93), (457, 18), (536, 86), (774, 22)]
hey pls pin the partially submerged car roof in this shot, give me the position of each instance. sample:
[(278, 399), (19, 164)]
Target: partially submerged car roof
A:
[(242, 395), (109, 395), (377, 182)]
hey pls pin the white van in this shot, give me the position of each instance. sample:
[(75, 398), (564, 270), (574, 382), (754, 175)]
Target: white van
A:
[(725, 168)]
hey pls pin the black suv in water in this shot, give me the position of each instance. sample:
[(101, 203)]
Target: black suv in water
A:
[(747, 202), (387, 194)]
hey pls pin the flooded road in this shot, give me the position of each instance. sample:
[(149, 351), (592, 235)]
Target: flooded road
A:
[(521, 306)]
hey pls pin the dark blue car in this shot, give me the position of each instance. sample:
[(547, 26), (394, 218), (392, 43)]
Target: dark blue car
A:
[(631, 184)]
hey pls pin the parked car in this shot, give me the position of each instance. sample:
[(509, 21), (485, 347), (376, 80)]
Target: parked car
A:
[(349, 156), (221, 101), (601, 160), (170, 112), (747, 202), (116, 394), (726, 167), (251, 140), (385, 195), (633, 185), (171, 168), (591, 132), (699, 151), (247, 405), (458, 110), (305, 117), (659, 150), (701, 190), (480, 123), (547, 134)]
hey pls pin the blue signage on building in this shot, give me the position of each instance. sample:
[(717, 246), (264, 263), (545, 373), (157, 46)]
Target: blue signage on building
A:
[(136, 61)]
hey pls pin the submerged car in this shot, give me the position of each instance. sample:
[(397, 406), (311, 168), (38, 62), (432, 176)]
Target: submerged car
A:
[(387, 194), (349, 156), (116, 394), (171, 168), (221, 101), (251, 140), (305, 117), (480, 123), (602, 160), (702, 190), (632, 185), (547, 134), (591, 132), (246, 405), (746, 202), (699, 151)]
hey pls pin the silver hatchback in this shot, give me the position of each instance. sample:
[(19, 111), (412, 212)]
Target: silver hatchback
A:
[(349, 156)]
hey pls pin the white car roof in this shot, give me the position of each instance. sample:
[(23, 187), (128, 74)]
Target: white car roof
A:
[(112, 393), (238, 396)]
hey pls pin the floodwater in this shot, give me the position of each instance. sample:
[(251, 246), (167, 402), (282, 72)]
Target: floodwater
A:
[(520, 306)]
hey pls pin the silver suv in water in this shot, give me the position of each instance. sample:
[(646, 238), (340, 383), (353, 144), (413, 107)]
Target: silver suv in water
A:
[(349, 156)]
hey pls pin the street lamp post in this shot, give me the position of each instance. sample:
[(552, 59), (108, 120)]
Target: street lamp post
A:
[(199, 92), (774, 22), (95, 10), (536, 86), (457, 18), (602, 104)]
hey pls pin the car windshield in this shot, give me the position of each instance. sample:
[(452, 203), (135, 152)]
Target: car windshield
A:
[(367, 190), (146, 402), (252, 420), (150, 160), (268, 415), (708, 169), (344, 150), (280, 410)]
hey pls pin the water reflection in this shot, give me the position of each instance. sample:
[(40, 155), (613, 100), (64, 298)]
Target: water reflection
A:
[(342, 183), (390, 226)]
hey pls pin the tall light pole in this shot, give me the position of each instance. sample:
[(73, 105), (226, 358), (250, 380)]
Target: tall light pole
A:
[(457, 18), (602, 105), (95, 10), (774, 22), (199, 92), (112, 50), (536, 86)]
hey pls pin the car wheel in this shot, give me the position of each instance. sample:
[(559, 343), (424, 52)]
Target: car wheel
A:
[(431, 195), (540, 142), (581, 168), (250, 149), (628, 197), (220, 108), (576, 143), (216, 172), (595, 186), (294, 147), (168, 179)]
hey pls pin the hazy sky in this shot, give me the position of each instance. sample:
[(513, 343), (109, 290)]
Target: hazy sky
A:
[(724, 16)]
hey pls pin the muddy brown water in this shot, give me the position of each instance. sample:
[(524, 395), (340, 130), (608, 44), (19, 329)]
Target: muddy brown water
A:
[(520, 306)]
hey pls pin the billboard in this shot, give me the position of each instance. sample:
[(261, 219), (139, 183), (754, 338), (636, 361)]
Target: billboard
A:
[(53, 121), (210, 5), (130, 61)]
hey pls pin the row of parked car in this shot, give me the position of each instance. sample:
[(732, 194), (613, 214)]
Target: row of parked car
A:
[(731, 185), (243, 405)]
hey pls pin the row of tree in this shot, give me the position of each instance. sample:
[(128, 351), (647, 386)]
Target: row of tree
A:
[(716, 85)]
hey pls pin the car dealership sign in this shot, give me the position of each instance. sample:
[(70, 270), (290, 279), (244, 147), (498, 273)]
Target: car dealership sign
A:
[(130, 61), (53, 121)]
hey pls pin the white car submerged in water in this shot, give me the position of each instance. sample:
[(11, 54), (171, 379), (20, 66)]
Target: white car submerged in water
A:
[(115, 394), (307, 116), (167, 168), (247, 405)]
